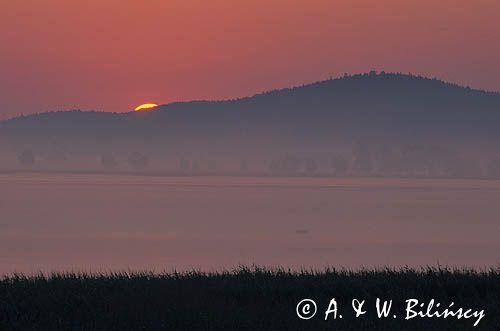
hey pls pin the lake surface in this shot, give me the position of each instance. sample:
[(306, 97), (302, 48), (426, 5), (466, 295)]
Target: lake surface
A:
[(102, 223)]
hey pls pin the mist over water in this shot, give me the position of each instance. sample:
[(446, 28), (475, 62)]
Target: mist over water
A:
[(64, 222)]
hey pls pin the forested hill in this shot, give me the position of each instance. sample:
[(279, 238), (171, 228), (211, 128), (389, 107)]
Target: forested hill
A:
[(380, 104)]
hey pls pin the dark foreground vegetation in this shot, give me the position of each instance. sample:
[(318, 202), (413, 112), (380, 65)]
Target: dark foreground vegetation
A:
[(245, 299)]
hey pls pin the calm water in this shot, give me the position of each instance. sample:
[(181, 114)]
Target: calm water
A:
[(96, 223)]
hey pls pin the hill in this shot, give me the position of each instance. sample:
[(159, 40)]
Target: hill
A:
[(351, 114), (367, 101)]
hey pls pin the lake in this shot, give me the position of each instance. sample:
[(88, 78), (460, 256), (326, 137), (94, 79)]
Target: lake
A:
[(63, 222)]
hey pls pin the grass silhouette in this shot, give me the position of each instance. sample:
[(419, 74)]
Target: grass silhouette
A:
[(243, 299)]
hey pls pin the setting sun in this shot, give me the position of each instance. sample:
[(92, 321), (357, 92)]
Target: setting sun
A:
[(146, 106)]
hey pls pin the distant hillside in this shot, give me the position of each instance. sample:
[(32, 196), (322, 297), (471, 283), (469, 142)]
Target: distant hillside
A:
[(380, 104), (383, 109)]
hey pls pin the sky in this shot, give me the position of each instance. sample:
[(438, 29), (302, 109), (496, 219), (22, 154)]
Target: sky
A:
[(112, 55)]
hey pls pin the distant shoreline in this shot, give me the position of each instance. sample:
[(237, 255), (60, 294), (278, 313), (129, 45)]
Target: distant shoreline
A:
[(240, 181), (235, 174)]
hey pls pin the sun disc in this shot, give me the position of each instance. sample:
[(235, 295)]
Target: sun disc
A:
[(146, 106)]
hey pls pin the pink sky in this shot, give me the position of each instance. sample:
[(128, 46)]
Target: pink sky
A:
[(111, 55)]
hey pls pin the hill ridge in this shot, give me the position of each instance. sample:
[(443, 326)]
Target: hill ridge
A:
[(321, 84)]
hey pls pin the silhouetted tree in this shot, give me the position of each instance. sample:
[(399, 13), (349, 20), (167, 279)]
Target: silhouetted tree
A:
[(288, 166), (291, 165), (26, 158), (57, 153), (195, 167), (339, 165), (494, 167), (275, 166), (412, 160), (455, 165), (243, 165), (184, 166), (211, 166), (310, 166), (108, 161), (362, 160), (138, 161)]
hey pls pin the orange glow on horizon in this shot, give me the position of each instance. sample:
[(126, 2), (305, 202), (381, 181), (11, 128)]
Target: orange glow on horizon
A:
[(212, 50), (146, 106)]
